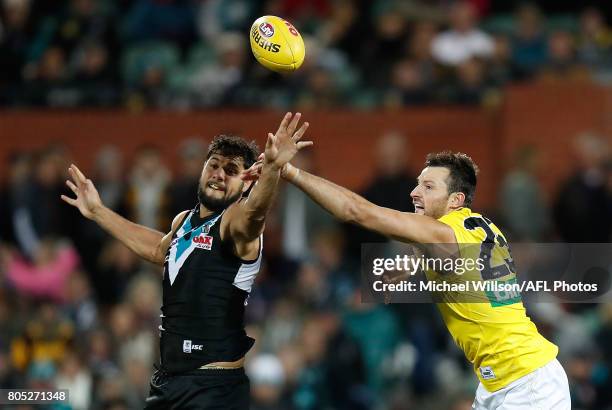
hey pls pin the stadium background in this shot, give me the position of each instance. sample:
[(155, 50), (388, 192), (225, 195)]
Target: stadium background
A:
[(133, 90)]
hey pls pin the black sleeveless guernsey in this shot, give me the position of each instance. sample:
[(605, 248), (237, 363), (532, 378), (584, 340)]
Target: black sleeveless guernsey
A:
[(205, 291)]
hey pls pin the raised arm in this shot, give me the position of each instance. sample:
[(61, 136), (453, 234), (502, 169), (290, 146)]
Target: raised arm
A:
[(145, 242), (248, 216), (351, 207)]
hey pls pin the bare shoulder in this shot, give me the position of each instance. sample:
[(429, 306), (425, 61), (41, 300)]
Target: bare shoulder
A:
[(177, 220)]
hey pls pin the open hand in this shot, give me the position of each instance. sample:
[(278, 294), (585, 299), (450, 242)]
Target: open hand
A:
[(282, 146), (87, 198)]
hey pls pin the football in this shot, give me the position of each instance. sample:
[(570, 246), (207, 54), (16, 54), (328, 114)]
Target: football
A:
[(276, 44)]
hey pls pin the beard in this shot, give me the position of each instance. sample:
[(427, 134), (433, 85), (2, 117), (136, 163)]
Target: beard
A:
[(216, 204)]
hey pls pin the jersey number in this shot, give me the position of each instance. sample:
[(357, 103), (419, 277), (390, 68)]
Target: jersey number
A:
[(486, 248)]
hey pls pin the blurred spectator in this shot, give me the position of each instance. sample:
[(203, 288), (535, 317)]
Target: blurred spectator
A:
[(94, 76), (347, 373), (46, 338), (409, 86), (112, 391), (100, 358), (109, 176), (171, 20), (215, 17), (595, 41), (47, 185), (311, 392), (419, 49), (326, 281), (523, 208), (283, 325), (304, 13), (376, 331), (130, 337), (463, 40), (391, 186), (48, 273), (183, 192), (562, 64), (343, 30), (212, 84), (529, 41), (471, 87), (117, 265), (582, 208), (321, 91), (501, 69), (84, 22), (17, 33), (137, 372), (17, 199), (267, 378), (76, 378), (385, 46), (49, 82), (147, 192), (324, 79), (301, 216), (79, 305), (89, 238)]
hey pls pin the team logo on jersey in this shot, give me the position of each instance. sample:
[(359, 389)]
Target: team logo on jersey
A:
[(203, 241), (188, 239), (486, 372)]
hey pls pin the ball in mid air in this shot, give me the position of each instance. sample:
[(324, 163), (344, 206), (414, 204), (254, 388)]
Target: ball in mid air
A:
[(276, 44)]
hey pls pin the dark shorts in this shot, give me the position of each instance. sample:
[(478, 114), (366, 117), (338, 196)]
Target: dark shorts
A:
[(199, 389)]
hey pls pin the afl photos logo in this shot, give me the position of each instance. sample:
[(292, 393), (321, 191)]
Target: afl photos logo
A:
[(266, 29)]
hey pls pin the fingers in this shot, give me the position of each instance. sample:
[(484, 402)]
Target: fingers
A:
[(294, 123), (81, 177), (284, 122), (300, 133), (271, 140), (72, 187), (304, 144), (69, 200)]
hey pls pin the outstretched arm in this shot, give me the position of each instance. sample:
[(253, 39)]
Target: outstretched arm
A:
[(351, 207), (248, 216), (145, 242)]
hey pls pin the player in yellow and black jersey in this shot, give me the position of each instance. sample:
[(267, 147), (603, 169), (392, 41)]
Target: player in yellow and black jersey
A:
[(516, 366)]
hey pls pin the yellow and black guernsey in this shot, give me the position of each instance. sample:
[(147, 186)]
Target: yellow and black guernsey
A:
[(492, 328), (205, 289)]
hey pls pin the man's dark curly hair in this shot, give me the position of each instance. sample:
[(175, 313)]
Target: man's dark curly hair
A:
[(463, 171), (234, 146)]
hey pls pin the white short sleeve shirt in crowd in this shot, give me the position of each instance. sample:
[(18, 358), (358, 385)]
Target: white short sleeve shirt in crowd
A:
[(453, 48)]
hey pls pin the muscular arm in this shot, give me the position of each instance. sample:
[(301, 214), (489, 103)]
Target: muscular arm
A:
[(248, 217), (351, 207), (147, 243)]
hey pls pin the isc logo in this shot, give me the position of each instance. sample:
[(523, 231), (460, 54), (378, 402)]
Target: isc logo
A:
[(188, 346), (203, 241), (266, 29)]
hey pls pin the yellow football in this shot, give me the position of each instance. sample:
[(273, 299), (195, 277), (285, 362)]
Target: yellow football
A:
[(276, 44)]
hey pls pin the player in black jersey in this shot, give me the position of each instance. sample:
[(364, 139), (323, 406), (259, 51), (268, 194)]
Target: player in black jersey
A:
[(210, 257)]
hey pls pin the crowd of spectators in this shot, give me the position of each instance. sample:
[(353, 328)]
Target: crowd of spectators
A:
[(79, 311), (181, 54)]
